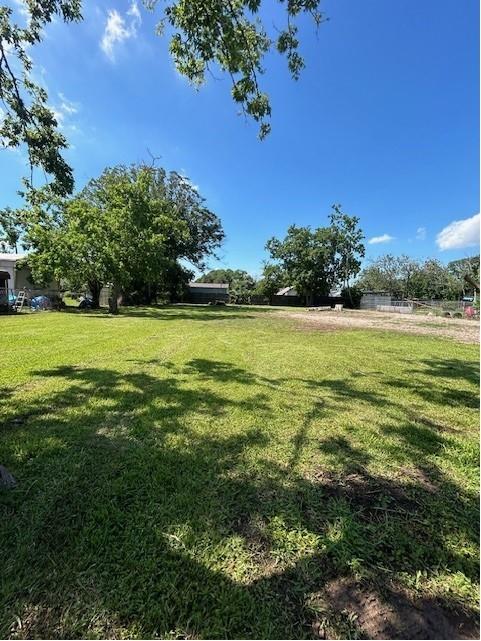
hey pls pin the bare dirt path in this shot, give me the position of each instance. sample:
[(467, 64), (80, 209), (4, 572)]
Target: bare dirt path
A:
[(459, 329)]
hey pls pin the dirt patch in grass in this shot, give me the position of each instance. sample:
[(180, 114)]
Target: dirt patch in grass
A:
[(419, 477), (364, 491), (252, 530), (462, 330), (393, 614)]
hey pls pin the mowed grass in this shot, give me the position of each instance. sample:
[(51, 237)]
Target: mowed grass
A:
[(206, 473)]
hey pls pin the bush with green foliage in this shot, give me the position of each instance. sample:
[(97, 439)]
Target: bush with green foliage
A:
[(352, 297)]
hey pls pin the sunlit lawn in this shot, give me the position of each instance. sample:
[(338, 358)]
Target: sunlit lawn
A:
[(202, 473)]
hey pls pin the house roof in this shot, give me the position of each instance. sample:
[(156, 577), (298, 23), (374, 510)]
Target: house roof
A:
[(11, 258), (209, 285), (284, 291)]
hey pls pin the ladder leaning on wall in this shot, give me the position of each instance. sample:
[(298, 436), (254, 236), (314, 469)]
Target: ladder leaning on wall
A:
[(19, 301)]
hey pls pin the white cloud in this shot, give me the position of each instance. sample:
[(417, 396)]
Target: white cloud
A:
[(135, 13), (385, 238), (22, 8), (421, 233), (459, 234), (64, 113), (67, 106), (119, 28), (7, 47), (59, 115)]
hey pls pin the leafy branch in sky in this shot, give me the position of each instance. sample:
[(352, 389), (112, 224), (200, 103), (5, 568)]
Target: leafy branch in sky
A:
[(26, 118), (226, 33)]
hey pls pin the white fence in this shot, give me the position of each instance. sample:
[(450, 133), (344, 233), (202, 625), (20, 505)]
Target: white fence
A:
[(397, 309)]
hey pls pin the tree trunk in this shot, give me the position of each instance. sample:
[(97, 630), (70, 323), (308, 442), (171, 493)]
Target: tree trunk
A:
[(95, 288), (114, 300), (348, 287)]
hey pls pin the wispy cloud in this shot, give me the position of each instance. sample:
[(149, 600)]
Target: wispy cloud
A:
[(120, 28), (385, 238), (67, 106), (421, 233), (22, 8), (64, 112), (459, 234)]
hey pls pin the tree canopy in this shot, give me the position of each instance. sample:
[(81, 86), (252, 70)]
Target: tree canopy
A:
[(228, 34), (130, 225), (273, 279), (412, 278), (316, 260), (10, 230), (26, 118)]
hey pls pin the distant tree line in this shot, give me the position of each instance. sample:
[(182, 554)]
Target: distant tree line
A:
[(401, 276), (315, 261), (142, 231), (423, 279)]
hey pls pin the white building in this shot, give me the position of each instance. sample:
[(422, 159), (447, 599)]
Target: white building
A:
[(13, 276)]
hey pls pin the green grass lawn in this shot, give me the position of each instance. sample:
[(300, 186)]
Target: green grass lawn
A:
[(218, 473)]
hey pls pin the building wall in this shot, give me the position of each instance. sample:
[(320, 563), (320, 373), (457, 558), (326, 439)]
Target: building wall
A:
[(372, 300), (22, 278), (8, 266), (204, 295)]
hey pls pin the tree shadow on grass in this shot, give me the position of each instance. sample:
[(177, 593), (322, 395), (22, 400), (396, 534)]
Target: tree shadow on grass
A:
[(452, 368), (130, 520), (183, 312), (170, 313), (449, 375)]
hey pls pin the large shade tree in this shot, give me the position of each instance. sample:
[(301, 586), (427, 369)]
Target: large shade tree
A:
[(131, 224), (307, 257), (10, 230), (316, 260), (349, 247)]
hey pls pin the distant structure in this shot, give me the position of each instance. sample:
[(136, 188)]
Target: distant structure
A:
[(204, 293), (287, 291), (290, 296), (372, 299), (13, 275)]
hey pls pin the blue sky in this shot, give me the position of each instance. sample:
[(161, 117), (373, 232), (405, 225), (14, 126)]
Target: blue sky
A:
[(384, 120)]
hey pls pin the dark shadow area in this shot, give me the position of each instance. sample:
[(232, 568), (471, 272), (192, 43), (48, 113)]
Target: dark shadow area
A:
[(344, 390), (301, 439), (185, 312), (446, 395), (172, 312), (452, 368), (340, 449), (123, 505)]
